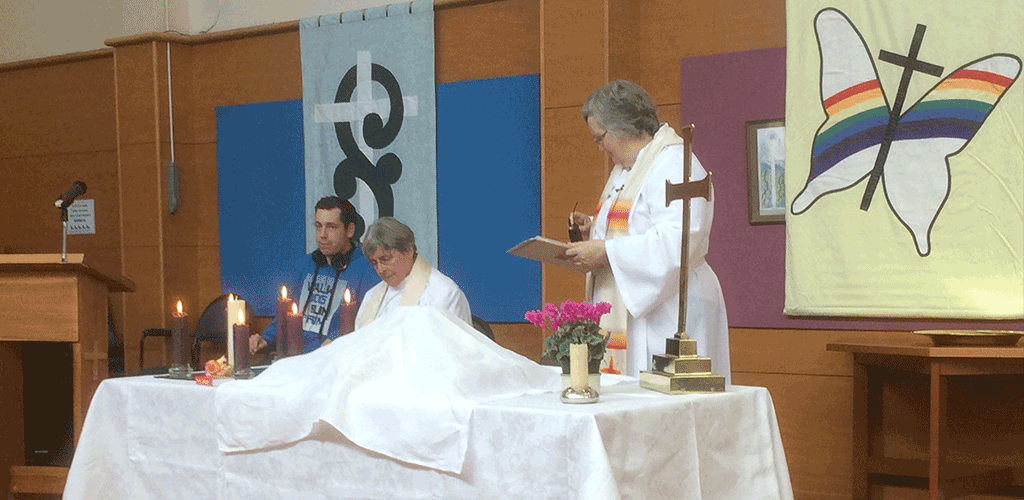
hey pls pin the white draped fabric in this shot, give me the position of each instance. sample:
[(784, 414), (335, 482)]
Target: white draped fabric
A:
[(403, 386), (147, 438)]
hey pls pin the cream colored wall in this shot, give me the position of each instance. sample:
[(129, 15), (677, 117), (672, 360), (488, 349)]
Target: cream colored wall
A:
[(43, 28)]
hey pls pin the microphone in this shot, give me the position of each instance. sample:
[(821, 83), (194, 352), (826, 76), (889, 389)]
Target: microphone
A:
[(77, 189)]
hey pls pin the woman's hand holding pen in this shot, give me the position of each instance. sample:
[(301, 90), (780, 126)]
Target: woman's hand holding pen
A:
[(584, 221)]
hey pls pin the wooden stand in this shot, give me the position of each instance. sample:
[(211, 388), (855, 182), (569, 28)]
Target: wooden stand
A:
[(42, 300), (876, 363)]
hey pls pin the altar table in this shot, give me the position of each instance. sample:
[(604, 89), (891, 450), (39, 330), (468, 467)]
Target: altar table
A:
[(154, 438)]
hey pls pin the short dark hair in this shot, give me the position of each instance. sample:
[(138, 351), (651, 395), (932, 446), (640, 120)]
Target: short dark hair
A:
[(348, 212)]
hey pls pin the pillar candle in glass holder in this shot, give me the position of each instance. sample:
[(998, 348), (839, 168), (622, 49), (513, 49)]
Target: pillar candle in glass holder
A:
[(234, 305), (579, 372), (347, 313), (240, 347), (293, 331), (179, 334), (284, 304)]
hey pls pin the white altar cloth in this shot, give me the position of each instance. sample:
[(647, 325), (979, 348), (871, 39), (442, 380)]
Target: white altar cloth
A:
[(403, 386), (154, 438)]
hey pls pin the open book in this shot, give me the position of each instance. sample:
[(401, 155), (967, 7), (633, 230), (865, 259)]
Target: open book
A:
[(545, 250)]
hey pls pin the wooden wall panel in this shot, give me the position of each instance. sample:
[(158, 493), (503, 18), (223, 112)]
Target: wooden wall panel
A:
[(142, 197), (767, 350), (137, 81), (243, 71), (32, 224), (667, 31), (144, 307), (575, 172), (574, 48), (523, 338), (487, 40), (57, 126), (67, 108)]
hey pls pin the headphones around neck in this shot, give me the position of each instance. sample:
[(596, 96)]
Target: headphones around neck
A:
[(340, 261)]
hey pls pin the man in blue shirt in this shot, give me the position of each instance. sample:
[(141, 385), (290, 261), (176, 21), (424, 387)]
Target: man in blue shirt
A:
[(319, 279)]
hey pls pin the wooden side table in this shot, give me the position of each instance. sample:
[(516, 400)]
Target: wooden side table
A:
[(874, 363)]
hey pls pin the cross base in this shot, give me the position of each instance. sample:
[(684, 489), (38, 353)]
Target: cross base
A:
[(680, 370)]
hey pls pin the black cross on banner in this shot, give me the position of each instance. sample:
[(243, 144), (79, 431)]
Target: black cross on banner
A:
[(686, 191), (910, 64)]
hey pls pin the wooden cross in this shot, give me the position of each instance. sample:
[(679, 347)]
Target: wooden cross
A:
[(686, 191)]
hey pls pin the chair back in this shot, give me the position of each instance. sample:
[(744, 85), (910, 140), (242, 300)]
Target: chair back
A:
[(483, 327)]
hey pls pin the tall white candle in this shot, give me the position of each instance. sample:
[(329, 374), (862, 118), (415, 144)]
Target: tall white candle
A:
[(579, 373), (234, 306)]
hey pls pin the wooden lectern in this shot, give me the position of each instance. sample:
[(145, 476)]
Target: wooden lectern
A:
[(44, 300)]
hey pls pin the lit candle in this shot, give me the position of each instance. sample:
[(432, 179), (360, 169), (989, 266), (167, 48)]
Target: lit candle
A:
[(284, 304), (234, 305), (240, 347), (348, 311), (293, 331), (179, 328)]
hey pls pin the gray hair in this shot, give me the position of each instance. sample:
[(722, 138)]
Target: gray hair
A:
[(624, 109), (389, 234)]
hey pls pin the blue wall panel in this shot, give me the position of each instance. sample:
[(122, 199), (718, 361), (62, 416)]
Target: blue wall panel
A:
[(488, 193), (261, 184)]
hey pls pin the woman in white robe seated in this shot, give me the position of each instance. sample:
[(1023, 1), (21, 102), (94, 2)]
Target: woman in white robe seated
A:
[(407, 278), (633, 248)]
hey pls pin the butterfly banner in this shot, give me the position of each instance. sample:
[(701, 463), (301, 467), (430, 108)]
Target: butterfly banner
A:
[(369, 116), (905, 159)]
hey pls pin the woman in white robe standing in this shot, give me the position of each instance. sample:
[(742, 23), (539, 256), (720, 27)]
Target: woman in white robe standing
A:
[(632, 244)]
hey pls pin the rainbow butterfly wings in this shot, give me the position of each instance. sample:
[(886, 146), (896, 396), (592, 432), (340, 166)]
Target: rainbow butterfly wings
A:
[(866, 137)]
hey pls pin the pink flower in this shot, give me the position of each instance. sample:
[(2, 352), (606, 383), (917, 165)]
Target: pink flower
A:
[(552, 317)]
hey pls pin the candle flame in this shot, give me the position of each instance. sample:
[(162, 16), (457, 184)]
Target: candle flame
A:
[(179, 307), (348, 296), (231, 297), (241, 317), (295, 309), (284, 292)]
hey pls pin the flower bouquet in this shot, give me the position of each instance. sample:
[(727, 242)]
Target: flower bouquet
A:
[(572, 323)]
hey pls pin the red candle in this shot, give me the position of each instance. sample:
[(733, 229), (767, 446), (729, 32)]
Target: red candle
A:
[(293, 331), (284, 304), (241, 347), (349, 307), (179, 336)]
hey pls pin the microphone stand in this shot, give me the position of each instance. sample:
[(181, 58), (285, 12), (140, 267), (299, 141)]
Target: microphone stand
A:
[(64, 234)]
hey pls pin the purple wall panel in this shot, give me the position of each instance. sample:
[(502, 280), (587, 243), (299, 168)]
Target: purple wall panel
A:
[(719, 93)]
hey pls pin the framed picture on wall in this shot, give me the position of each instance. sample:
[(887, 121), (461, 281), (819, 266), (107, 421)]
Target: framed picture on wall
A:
[(766, 168)]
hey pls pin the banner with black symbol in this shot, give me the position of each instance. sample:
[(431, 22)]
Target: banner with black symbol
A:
[(369, 116)]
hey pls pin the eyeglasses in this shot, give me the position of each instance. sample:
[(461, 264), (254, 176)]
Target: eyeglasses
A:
[(598, 139), (386, 258)]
